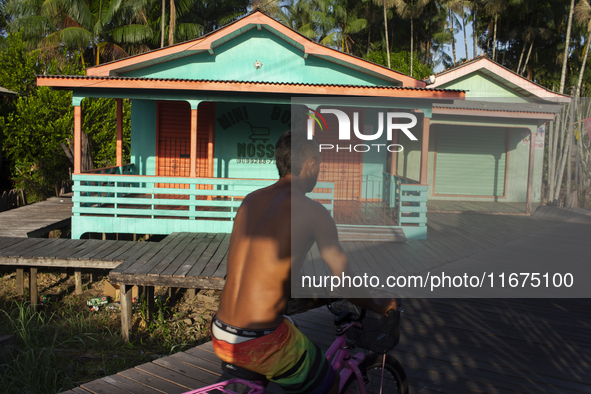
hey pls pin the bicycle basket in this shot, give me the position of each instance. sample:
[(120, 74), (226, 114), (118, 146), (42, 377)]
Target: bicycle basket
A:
[(379, 334)]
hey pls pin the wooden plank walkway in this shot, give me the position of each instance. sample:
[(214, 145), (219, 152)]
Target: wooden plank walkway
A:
[(37, 219), (447, 346), (188, 260), (481, 207)]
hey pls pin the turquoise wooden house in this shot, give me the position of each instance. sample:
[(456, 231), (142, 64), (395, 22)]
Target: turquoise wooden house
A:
[(205, 117), (480, 148)]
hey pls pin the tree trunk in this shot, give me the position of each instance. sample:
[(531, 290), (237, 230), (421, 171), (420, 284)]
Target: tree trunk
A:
[(521, 58), (386, 31), (464, 27), (453, 37), (528, 55), (550, 136), (411, 43), (369, 31), (580, 83), (172, 23), (566, 45), (561, 154), (474, 32), (162, 24), (495, 40)]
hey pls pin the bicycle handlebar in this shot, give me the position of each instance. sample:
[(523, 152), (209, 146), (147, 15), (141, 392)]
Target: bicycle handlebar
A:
[(351, 316)]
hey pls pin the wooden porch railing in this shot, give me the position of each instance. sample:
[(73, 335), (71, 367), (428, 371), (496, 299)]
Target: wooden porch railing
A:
[(408, 199), (115, 202)]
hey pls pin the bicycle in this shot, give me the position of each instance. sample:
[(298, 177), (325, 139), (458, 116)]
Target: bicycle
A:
[(365, 372)]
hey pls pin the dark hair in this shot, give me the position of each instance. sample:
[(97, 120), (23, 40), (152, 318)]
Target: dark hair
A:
[(292, 150)]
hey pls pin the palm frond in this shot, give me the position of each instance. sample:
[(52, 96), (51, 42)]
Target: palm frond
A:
[(132, 34), (188, 31)]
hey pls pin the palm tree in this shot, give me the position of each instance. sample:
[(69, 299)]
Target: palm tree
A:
[(184, 31), (410, 9), (455, 7), (582, 16), (80, 22), (494, 8), (386, 4), (566, 46)]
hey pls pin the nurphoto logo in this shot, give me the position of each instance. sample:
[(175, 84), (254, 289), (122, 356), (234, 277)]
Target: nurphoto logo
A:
[(344, 131)]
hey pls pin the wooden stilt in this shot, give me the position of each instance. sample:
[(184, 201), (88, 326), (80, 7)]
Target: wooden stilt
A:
[(125, 298), (191, 293), (33, 287), (78, 280), (20, 282)]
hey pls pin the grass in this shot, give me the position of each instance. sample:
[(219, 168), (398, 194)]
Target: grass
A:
[(63, 344)]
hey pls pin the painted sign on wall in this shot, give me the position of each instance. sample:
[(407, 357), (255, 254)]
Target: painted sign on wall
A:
[(245, 137)]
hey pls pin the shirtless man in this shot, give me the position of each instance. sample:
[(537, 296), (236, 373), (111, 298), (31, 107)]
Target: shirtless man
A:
[(249, 329)]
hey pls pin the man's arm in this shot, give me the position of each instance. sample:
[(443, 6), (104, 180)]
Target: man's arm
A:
[(327, 239)]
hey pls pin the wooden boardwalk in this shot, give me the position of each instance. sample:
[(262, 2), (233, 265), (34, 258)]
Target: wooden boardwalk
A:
[(194, 250), (481, 207), (447, 346), (37, 219), (188, 260)]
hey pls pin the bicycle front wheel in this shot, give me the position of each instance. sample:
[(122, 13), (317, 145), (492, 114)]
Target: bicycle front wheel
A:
[(381, 376)]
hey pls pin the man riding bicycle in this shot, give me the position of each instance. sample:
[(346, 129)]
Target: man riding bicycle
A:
[(249, 329)]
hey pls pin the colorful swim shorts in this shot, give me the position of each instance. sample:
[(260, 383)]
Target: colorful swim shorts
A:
[(284, 355)]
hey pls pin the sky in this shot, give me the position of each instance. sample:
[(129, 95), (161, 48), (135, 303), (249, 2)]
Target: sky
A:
[(460, 49)]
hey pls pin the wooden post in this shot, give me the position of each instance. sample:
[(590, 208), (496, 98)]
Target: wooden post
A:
[(150, 297), (424, 151), (77, 139), (530, 173), (78, 280), (33, 287), (119, 132), (125, 299), (191, 293), (20, 282), (193, 164), (394, 155)]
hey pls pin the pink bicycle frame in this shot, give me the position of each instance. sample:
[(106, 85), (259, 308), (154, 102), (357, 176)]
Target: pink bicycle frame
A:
[(339, 357)]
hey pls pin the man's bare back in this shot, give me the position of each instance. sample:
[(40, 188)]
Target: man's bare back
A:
[(260, 257), (274, 229)]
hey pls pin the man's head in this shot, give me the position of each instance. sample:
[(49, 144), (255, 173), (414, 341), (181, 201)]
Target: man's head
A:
[(297, 156)]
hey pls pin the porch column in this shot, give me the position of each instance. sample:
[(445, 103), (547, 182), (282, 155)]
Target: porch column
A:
[(425, 151), (193, 173), (210, 144), (394, 155), (530, 172), (77, 139), (119, 132)]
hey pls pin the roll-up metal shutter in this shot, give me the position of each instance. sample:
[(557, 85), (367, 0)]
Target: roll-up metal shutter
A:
[(470, 161)]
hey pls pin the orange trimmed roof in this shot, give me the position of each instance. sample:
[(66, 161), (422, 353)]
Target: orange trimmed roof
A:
[(255, 20), (74, 81), (501, 74)]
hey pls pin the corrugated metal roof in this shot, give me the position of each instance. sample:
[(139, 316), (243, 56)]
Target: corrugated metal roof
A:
[(83, 77), (502, 107), (6, 92)]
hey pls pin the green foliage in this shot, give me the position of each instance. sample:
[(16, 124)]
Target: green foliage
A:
[(100, 123), (33, 370), (400, 61), (42, 119)]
